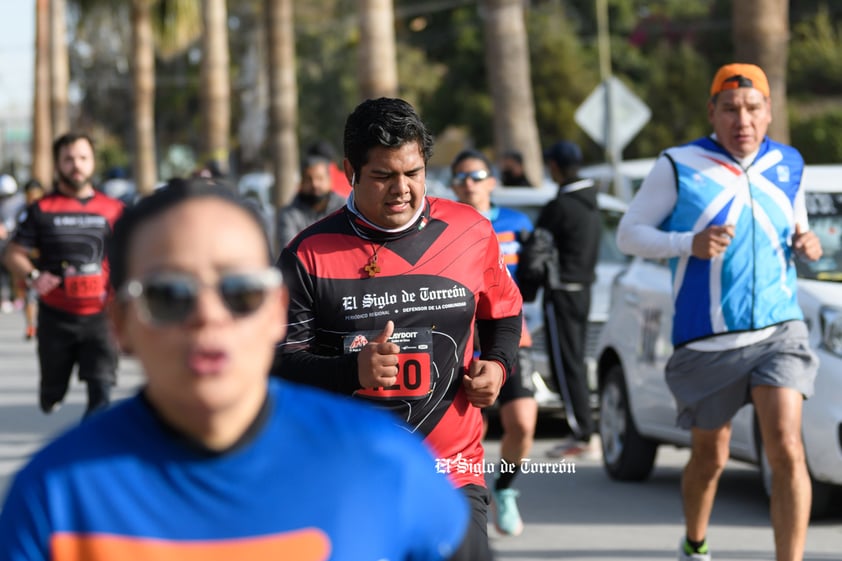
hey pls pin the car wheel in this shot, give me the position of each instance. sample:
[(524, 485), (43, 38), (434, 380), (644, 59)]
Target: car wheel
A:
[(626, 455), (825, 495)]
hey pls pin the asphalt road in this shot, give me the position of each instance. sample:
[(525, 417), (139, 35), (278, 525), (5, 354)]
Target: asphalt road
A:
[(586, 516), (581, 515)]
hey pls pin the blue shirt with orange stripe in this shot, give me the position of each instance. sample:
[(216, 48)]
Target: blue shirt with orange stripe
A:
[(318, 478)]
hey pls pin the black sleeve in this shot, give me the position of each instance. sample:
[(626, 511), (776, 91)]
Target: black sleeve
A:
[(26, 232), (499, 340), (333, 373), (296, 358), (546, 216)]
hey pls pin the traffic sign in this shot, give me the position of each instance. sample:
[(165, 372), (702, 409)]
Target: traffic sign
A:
[(629, 113)]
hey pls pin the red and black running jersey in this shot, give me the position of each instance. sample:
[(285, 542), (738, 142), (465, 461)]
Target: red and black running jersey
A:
[(69, 235), (432, 280)]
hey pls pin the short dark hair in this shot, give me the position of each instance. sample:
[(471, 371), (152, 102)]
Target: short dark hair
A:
[(311, 160), (177, 191), (387, 122), (514, 155), (470, 154), (32, 184), (322, 148), (66, 140), (565, 154)]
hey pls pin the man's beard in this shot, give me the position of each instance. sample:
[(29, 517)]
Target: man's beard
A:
[(313, 199), (75, 184)]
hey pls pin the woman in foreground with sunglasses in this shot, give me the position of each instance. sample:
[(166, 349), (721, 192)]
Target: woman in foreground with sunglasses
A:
[(211, 460)]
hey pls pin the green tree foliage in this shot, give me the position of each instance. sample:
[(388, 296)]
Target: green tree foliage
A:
[(177, 25), (654, 53), (815, 66), (564, 72), (99, 73), (818, 137), (664, 50), (676, 91), (177, 90), (325, 48), (419, 78), (326, 39), (453, 39), (815, 84)]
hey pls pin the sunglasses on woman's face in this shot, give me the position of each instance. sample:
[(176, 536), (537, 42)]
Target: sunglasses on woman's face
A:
[(462, 177), (170, 298)]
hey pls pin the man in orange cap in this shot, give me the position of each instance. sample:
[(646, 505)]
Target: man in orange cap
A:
[(728, 211)]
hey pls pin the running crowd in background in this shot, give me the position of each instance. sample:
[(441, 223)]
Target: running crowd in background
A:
[(327, 315), (12, 203)]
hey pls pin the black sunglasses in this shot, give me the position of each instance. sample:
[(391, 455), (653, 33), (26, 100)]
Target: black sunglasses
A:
[(475, 176), (169, 298)]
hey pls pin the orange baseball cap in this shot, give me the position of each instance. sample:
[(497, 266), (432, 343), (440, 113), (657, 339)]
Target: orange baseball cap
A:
[(733, 76)]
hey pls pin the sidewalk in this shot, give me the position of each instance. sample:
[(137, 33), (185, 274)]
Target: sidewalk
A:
[(23, 427)]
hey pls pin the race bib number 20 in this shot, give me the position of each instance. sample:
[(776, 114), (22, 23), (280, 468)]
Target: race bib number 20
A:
[(414, 362)]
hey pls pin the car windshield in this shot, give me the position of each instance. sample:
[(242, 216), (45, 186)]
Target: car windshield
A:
[(825, 215)]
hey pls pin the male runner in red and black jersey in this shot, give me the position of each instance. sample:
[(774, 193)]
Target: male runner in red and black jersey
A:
[(68, 229), (384, 294)]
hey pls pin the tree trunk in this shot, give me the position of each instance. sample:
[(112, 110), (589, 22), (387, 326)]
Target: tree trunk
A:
[(761, 37), (59, 67), (42, 134), (507, 62), (283, 98), (378, 66), (215, 84), (253, 96), (143, 84)]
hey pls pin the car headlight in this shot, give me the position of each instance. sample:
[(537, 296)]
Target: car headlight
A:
[(831, 321)]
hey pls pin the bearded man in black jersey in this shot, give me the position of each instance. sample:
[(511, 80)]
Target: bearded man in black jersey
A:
[(68, 228)]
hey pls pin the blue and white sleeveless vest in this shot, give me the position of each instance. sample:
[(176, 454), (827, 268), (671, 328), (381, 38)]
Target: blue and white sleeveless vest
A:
[(753, 284)]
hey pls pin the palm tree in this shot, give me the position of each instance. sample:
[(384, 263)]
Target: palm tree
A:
[(171, 27), (761, 36), (507, 62), (42, 133), (59, 67), (167, 27), (378, 67), (143, 87), (283, 98), (215, 84)]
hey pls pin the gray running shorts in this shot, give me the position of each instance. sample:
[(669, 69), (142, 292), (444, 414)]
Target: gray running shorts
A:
[(710, 387)]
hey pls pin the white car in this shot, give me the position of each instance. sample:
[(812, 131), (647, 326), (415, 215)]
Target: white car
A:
[(637, 410)]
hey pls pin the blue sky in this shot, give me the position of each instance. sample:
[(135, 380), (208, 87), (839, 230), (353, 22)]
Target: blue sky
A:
[(17, 42)]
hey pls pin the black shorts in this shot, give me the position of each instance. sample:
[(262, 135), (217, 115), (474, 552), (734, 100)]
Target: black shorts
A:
[(519, 384), (475, 545), (65, 340)]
